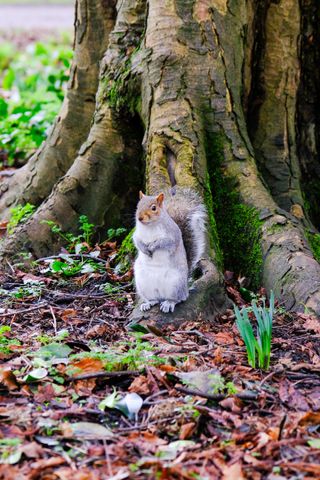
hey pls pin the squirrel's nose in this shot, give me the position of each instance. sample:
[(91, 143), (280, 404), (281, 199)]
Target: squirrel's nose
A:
[(140, 218)]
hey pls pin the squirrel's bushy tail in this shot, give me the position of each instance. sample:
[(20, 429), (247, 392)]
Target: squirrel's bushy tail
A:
[(188, 211)]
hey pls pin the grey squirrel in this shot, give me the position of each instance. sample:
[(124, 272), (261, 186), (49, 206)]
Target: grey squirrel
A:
[(170, 236)]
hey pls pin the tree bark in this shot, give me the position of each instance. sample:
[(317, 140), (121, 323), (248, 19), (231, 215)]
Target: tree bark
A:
[(94, 20), (220, 92)]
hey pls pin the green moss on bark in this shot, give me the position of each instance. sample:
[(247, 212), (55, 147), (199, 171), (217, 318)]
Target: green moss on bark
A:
[(314, 242), (239, 227), (120, 87), (213, 232), (126, 254)]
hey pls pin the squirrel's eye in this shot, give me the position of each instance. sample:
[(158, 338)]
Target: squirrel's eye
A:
[(153, 208)]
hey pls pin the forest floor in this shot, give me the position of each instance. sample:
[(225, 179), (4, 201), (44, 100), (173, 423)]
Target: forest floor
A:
[(84, 395)]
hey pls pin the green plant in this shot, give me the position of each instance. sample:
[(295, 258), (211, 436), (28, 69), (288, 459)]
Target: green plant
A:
[(6, 342), (33, 82), (47, 339), (260, 347), (19, 214), (75, 243), (129, 355), (113, 233), (72, 266)]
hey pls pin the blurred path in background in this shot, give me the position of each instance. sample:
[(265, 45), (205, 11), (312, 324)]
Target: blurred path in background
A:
[(36, 19)]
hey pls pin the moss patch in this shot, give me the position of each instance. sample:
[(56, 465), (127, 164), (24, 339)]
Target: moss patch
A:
[(238, 225), (120, 87), (126, 254), (214, 238), (314, 241)]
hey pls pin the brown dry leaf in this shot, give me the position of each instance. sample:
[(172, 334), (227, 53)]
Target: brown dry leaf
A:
[(9, 472), (35, 278), (146, 441), (187, 430), (45, 393), (140, 385), (168, 368), (45, 463), (84, 387), (312, 324), (85, 365), (235, 295), (217, 355), (97, 331), (18, 415), (303, 466), (310, 418), (32, 450), (67, 314), (82, 279), (314, 397), (292, 396), (233, 472), (67, 473), (8, 379), (224, 338), (126, 277)]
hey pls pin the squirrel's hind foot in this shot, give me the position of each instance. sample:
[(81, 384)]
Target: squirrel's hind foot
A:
[(167, 306), (147, 305)]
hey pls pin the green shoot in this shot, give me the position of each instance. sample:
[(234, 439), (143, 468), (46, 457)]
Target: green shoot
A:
[(74, 242), (19, 214), (257, 348)]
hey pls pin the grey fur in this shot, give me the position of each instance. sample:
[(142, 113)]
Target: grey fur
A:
[(181, 226)]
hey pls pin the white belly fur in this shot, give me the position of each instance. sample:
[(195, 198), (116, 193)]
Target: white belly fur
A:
[(160, 277), (155, 278)]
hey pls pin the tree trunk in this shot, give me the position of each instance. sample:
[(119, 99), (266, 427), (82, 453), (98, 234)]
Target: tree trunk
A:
[(227, 93)]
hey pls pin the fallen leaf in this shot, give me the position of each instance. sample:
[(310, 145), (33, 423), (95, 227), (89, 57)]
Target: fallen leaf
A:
[(85, 365), (8, 379), (233, 472), (187, 430), (207, 382), (291, 396), (97, 331), (86, 430), (224, 338), (140, 385), (310, 418), (170, 451), (312, 323)]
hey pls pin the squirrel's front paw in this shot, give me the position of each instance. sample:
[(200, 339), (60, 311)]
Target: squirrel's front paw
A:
[(167, 306), (146, 306)]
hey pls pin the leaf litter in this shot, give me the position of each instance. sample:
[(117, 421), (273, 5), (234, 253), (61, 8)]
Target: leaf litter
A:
[(84, 396)]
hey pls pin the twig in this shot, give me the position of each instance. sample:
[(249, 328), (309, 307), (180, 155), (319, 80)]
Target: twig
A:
[(197, 333), (54, 320), (154, 395), (24, 310), (270, 375), (121, 373), (217, 396), (10, 266), (72, 255), (107, 456)]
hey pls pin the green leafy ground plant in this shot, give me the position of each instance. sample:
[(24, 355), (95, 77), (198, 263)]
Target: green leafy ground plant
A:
[(258, 348), (32, 85), (19, 214)]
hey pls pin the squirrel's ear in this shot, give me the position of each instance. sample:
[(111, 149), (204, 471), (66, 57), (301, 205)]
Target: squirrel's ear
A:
[(141, 194), (160, 198)]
